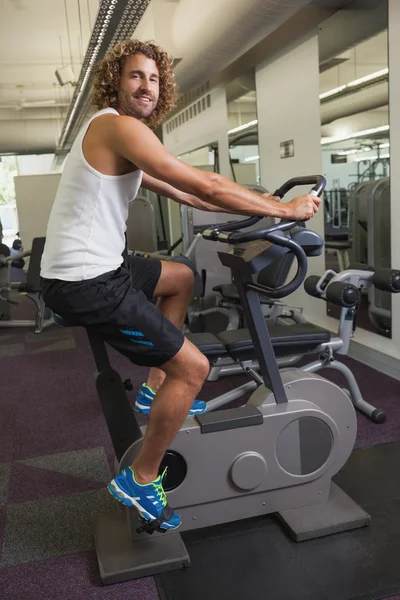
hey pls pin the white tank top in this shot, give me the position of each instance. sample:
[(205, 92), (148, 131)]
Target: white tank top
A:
[(86, 230)]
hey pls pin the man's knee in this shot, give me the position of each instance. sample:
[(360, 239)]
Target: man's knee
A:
[(201, 367), (185, 275), (176, 278), (189, 364)]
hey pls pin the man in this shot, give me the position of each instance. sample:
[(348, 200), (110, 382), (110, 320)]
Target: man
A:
[(86, 278)]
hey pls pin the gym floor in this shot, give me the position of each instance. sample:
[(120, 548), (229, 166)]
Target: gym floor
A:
[(56, 458)]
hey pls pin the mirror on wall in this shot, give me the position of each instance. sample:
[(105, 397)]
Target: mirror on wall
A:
[(205, 158), (154, 224), (243, 130), (185, 220), (355, 143), (192, 221)]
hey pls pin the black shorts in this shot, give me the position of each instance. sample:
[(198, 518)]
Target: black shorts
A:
[(120, 306)]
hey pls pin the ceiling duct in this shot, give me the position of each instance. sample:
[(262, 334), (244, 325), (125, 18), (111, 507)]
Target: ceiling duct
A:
[(116, 21), (361, 20), (368, 97), (240, 86), (245, 138), (221, 32), (330, 64), (37, 138)]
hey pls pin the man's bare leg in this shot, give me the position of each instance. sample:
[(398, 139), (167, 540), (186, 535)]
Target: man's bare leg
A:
[(185, 375), (175, 292)]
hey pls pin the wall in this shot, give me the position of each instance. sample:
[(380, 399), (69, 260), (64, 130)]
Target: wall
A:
[(211, 125), (278, 73), (35, 196)]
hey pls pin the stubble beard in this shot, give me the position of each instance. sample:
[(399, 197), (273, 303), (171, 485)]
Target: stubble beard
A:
[(130, 107)]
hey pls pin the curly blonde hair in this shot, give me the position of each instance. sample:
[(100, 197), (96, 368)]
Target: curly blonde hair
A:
[(108, 74)]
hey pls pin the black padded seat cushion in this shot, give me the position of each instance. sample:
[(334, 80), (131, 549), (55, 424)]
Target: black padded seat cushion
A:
[(287, 340), (208, 344)]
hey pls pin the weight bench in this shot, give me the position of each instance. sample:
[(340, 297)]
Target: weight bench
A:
[(235, 347), (232, 348)]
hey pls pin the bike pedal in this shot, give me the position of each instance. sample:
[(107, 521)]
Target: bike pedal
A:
[(149, 526)]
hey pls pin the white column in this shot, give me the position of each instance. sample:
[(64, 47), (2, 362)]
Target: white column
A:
[(288, 109)]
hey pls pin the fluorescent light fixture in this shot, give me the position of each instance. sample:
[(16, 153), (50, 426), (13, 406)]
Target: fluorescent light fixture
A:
[(358, 150), (115, 21), (354, 83), (245, 126), (368, 77), (37, 103), (356, 134), (250, 158), (347, 152), (375, 157), (332, 92)]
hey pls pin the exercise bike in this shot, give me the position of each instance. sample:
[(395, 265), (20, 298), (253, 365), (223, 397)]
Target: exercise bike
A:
[(276, 454)]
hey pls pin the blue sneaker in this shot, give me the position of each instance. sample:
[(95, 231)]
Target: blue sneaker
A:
[(145, 396), (149, 500)]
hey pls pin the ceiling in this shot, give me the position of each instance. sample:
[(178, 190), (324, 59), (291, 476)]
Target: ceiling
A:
[(36, 41), (40, 36)]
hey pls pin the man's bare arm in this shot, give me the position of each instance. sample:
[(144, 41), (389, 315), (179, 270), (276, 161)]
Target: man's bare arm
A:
[(133, 140), (164, 189)]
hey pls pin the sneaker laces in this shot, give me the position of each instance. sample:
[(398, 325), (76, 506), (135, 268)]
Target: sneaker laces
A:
[(160, 493), (160, 490)]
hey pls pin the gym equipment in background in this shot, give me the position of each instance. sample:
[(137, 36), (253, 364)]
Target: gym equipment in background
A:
[(370, 234), (31, 287)]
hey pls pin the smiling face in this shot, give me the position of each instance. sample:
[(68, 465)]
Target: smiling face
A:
[(139, 87)]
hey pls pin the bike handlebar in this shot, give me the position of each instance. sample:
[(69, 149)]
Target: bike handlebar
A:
[(319, 182), (228, 233), (219, 233)]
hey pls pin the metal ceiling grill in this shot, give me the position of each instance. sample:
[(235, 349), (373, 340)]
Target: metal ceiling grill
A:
[(116, 21)]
